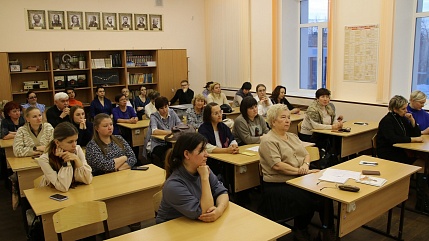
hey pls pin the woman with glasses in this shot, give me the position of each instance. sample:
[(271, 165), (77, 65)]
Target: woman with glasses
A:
[(32, 101), (123, 113), (140, 102), (249, 126), (219, 136), (195, 113), (415, 107)]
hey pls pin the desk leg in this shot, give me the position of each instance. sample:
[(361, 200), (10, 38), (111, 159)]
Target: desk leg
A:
[(401, 221), (337, 232)]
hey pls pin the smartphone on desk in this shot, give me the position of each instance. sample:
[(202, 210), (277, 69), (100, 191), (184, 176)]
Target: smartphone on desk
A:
[(58, 197), (140, 168)]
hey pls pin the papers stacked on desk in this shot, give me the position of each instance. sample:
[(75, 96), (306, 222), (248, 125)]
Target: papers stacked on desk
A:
[(338, 176), (373, 181)]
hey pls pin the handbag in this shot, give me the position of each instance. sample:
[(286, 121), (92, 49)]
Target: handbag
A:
[(177, 131), (226, 108)]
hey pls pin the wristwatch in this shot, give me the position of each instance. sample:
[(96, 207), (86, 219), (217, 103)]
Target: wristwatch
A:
[(308, 164), (35, 148)]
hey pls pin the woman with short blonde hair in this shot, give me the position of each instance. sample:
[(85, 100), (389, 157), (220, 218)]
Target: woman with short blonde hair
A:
[(415, 107), (216, 95)]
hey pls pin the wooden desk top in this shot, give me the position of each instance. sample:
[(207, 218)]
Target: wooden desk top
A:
[(423, 146), (355, 129), (22, 163), (235, 111), (237, 159), (6, 143), (297, 117), (391, 171), (103, 187), (139, 124), (236, 223)]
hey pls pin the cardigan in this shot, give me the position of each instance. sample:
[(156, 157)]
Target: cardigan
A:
[(219, 99), (96, 107), (313, 118), (283, 101), (394, 129), (25, 140), (225, 135), (139, 103), (245, 131)]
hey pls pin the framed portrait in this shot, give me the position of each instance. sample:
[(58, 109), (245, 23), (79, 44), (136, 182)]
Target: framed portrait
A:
[(93, 20), (75, 20), (155, 22), (109, 21), (126, 21), (36, 19), (140, 21), (56, 20)]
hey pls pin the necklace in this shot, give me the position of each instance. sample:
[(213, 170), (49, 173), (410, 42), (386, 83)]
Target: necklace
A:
[(399, 123)]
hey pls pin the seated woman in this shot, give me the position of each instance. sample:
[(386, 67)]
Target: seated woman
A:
[(249, 126), (123, 113), (161, 123), (283, 157), (415, 107), (264, 103), (216, 95), (195, 113), (278, 97), (242, 93), (206, 90), (398, 126), (13, 120), (150, 108), (106, 152), (140, 102), (32, 138), (219, 136), (32, 101), (320, 115), (84, 127), (64, 164), (191, 189), (100, 104)]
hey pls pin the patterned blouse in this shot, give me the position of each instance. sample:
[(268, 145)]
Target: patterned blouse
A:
[(101, 163), (193, 118)]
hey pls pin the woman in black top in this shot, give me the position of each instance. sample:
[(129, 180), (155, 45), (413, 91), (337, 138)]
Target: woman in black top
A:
[(278, 97), (13, 120), (84, 127)]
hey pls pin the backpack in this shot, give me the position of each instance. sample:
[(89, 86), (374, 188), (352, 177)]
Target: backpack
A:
[(177, 131), (226, 108)]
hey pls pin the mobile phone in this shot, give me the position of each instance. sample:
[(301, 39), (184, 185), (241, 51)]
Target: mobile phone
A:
[(140, 168), (59, 197)]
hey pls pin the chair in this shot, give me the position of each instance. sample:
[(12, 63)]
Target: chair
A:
[(157, 197), (298, 127), (37, 181), (374, 145), (314, 153), (79, 215)]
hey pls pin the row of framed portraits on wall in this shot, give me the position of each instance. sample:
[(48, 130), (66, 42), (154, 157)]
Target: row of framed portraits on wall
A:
[(74, 20)]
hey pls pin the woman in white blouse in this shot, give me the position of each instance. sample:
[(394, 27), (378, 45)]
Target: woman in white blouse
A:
[(63, 163), (216, 95)]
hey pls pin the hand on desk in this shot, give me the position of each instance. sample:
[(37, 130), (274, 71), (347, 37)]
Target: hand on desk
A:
[(337, 126), (302, 170), (212, 214), (233, 149), (417, 139)]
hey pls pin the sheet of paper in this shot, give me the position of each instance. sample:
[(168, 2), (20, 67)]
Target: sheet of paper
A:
[(255, 148), (338, 176)]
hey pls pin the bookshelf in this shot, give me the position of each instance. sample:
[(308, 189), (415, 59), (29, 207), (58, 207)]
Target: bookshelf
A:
[(160, 70)]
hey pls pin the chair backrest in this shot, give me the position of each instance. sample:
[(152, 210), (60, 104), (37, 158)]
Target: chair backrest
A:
[(79, 215), (37, 181), (298, 127), (314, 153), (157, 197), (374, 145)]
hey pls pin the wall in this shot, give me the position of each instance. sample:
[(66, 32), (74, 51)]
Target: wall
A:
[(183, 22)]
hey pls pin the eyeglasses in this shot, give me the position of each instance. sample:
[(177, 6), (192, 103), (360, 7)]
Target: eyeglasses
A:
[(32, 97), (217, 113), (184, 85)]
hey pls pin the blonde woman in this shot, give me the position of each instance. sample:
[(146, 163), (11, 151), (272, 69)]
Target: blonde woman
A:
[(415, 107), (195, 113), (216, 95)]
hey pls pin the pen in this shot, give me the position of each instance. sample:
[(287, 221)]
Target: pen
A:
[(370, 163)]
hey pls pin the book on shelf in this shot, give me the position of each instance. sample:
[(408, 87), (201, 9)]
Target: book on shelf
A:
[(140, 78)]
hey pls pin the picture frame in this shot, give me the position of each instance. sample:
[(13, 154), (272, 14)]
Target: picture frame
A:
[(141, 22), (56, 20), (110, 21), (75, 20), (125, 21), (156, 23), (15, 67), (93, 21), (36, 19)]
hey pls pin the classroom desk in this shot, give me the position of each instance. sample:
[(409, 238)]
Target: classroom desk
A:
[(246, 168), (8, 147), (415, 146), (27, 169), (370, 202), (358, 139), (127, 194), (236, 223), (137, 131), (162, 138), (294, 120)]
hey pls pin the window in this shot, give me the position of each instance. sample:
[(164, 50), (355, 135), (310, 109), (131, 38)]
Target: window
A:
[(313, 44), (421, 48)]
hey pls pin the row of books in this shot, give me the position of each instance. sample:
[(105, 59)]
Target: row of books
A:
[(138, 60), (140, 78), (114, 60)]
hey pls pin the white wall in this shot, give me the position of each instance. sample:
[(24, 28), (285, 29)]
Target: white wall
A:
[(183, 22)]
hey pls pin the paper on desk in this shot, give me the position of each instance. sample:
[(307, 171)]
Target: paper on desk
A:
[(338, 176), (373, 181), (255, 148)]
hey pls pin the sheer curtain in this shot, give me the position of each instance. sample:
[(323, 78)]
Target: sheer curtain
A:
[(228, 41)]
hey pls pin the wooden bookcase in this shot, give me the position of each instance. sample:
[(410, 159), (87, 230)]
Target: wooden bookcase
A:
[(166, 69)]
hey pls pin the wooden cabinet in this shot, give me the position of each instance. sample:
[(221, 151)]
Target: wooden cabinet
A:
[(160, 70)]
